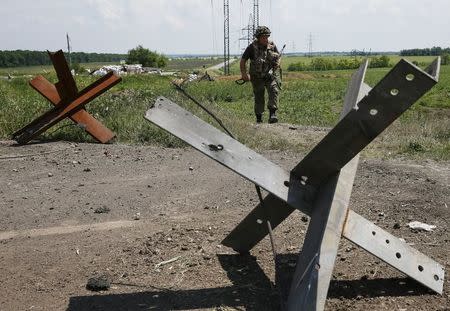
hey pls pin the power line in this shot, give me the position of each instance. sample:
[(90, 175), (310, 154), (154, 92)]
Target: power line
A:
[(226, 37), (255, 15), (69, 49), (310, 45), (248, 31)]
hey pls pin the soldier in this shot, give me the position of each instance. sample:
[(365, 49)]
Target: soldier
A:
[(264, 63)]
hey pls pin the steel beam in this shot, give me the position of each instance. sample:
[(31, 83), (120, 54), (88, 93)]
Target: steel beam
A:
[(316, 260), (66, 86), (60, 112), (211, 142), (68, 102), (394, 252), (319, 188), (90, 124), (392, 96), (227, 151), (324, 164)]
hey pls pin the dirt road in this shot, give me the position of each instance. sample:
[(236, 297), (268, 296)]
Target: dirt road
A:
[(71, 211)]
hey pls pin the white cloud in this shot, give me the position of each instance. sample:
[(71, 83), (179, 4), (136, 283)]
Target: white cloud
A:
[(192, 26)]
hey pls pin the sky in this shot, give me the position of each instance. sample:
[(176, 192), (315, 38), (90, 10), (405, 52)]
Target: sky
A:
[(196, 26)]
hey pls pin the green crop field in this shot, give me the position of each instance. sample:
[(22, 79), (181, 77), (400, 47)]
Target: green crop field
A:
[(308, 99), (192, 64)]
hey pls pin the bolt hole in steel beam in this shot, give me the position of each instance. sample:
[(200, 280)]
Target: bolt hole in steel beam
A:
[(373, 112), (259, 221), (374, 233), (394, 92), (287, 183), (398, 255), (420, 268), (213, 147), (387, 241), (303, 181), (410, 77)]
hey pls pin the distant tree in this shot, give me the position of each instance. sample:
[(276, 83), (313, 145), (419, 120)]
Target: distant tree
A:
[(146, 58), (36, 58), (434, 51), (78, 68), (379, 62), (446, 59)]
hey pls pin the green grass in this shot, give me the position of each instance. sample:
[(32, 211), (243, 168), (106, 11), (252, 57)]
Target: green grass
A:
[(308, 99), (188, 65), (287, 60), (191, 64), (35, 70)]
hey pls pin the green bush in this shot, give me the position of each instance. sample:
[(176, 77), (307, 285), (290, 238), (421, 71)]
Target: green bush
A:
[(445, 59), (379, 62), (146, 58), (78, 68)]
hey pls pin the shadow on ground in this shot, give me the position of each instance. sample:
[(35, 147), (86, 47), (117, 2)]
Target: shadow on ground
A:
[(251, 290)]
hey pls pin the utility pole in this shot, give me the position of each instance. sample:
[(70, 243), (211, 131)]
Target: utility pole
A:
[(226, 37), (255, 15), (69, 49), (310, 45), (248, 32)]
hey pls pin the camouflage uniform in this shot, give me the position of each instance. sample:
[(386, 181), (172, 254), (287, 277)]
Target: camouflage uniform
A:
[(264, 76), (264, 72)]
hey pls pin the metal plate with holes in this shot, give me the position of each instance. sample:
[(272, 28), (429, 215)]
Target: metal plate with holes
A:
[(246, 235), (321, 184), (394, 252), (392, 96), (169, 116), (224, 149), (310, 285)]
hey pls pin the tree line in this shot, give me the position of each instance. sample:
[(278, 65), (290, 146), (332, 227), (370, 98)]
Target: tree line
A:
[(434, 51), (22, 58)]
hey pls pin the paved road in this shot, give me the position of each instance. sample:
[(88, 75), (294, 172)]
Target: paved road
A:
[(219, 66)]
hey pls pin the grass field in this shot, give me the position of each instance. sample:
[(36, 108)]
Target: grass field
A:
[(287, 60), (308, 99), (190, 64)]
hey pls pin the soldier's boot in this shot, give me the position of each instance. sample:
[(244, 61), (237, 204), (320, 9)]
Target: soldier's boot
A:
[(273, 116), (258, 118)]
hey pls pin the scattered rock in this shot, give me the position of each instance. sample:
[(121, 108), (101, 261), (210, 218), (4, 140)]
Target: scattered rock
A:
[(304, 218), (396, 225), (87, 169), (416, 225), (137, 216), (191, 168), (50, 174), (102, 210), (99, 283)]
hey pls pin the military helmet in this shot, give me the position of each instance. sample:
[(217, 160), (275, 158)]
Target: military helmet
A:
[(262, 31)]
